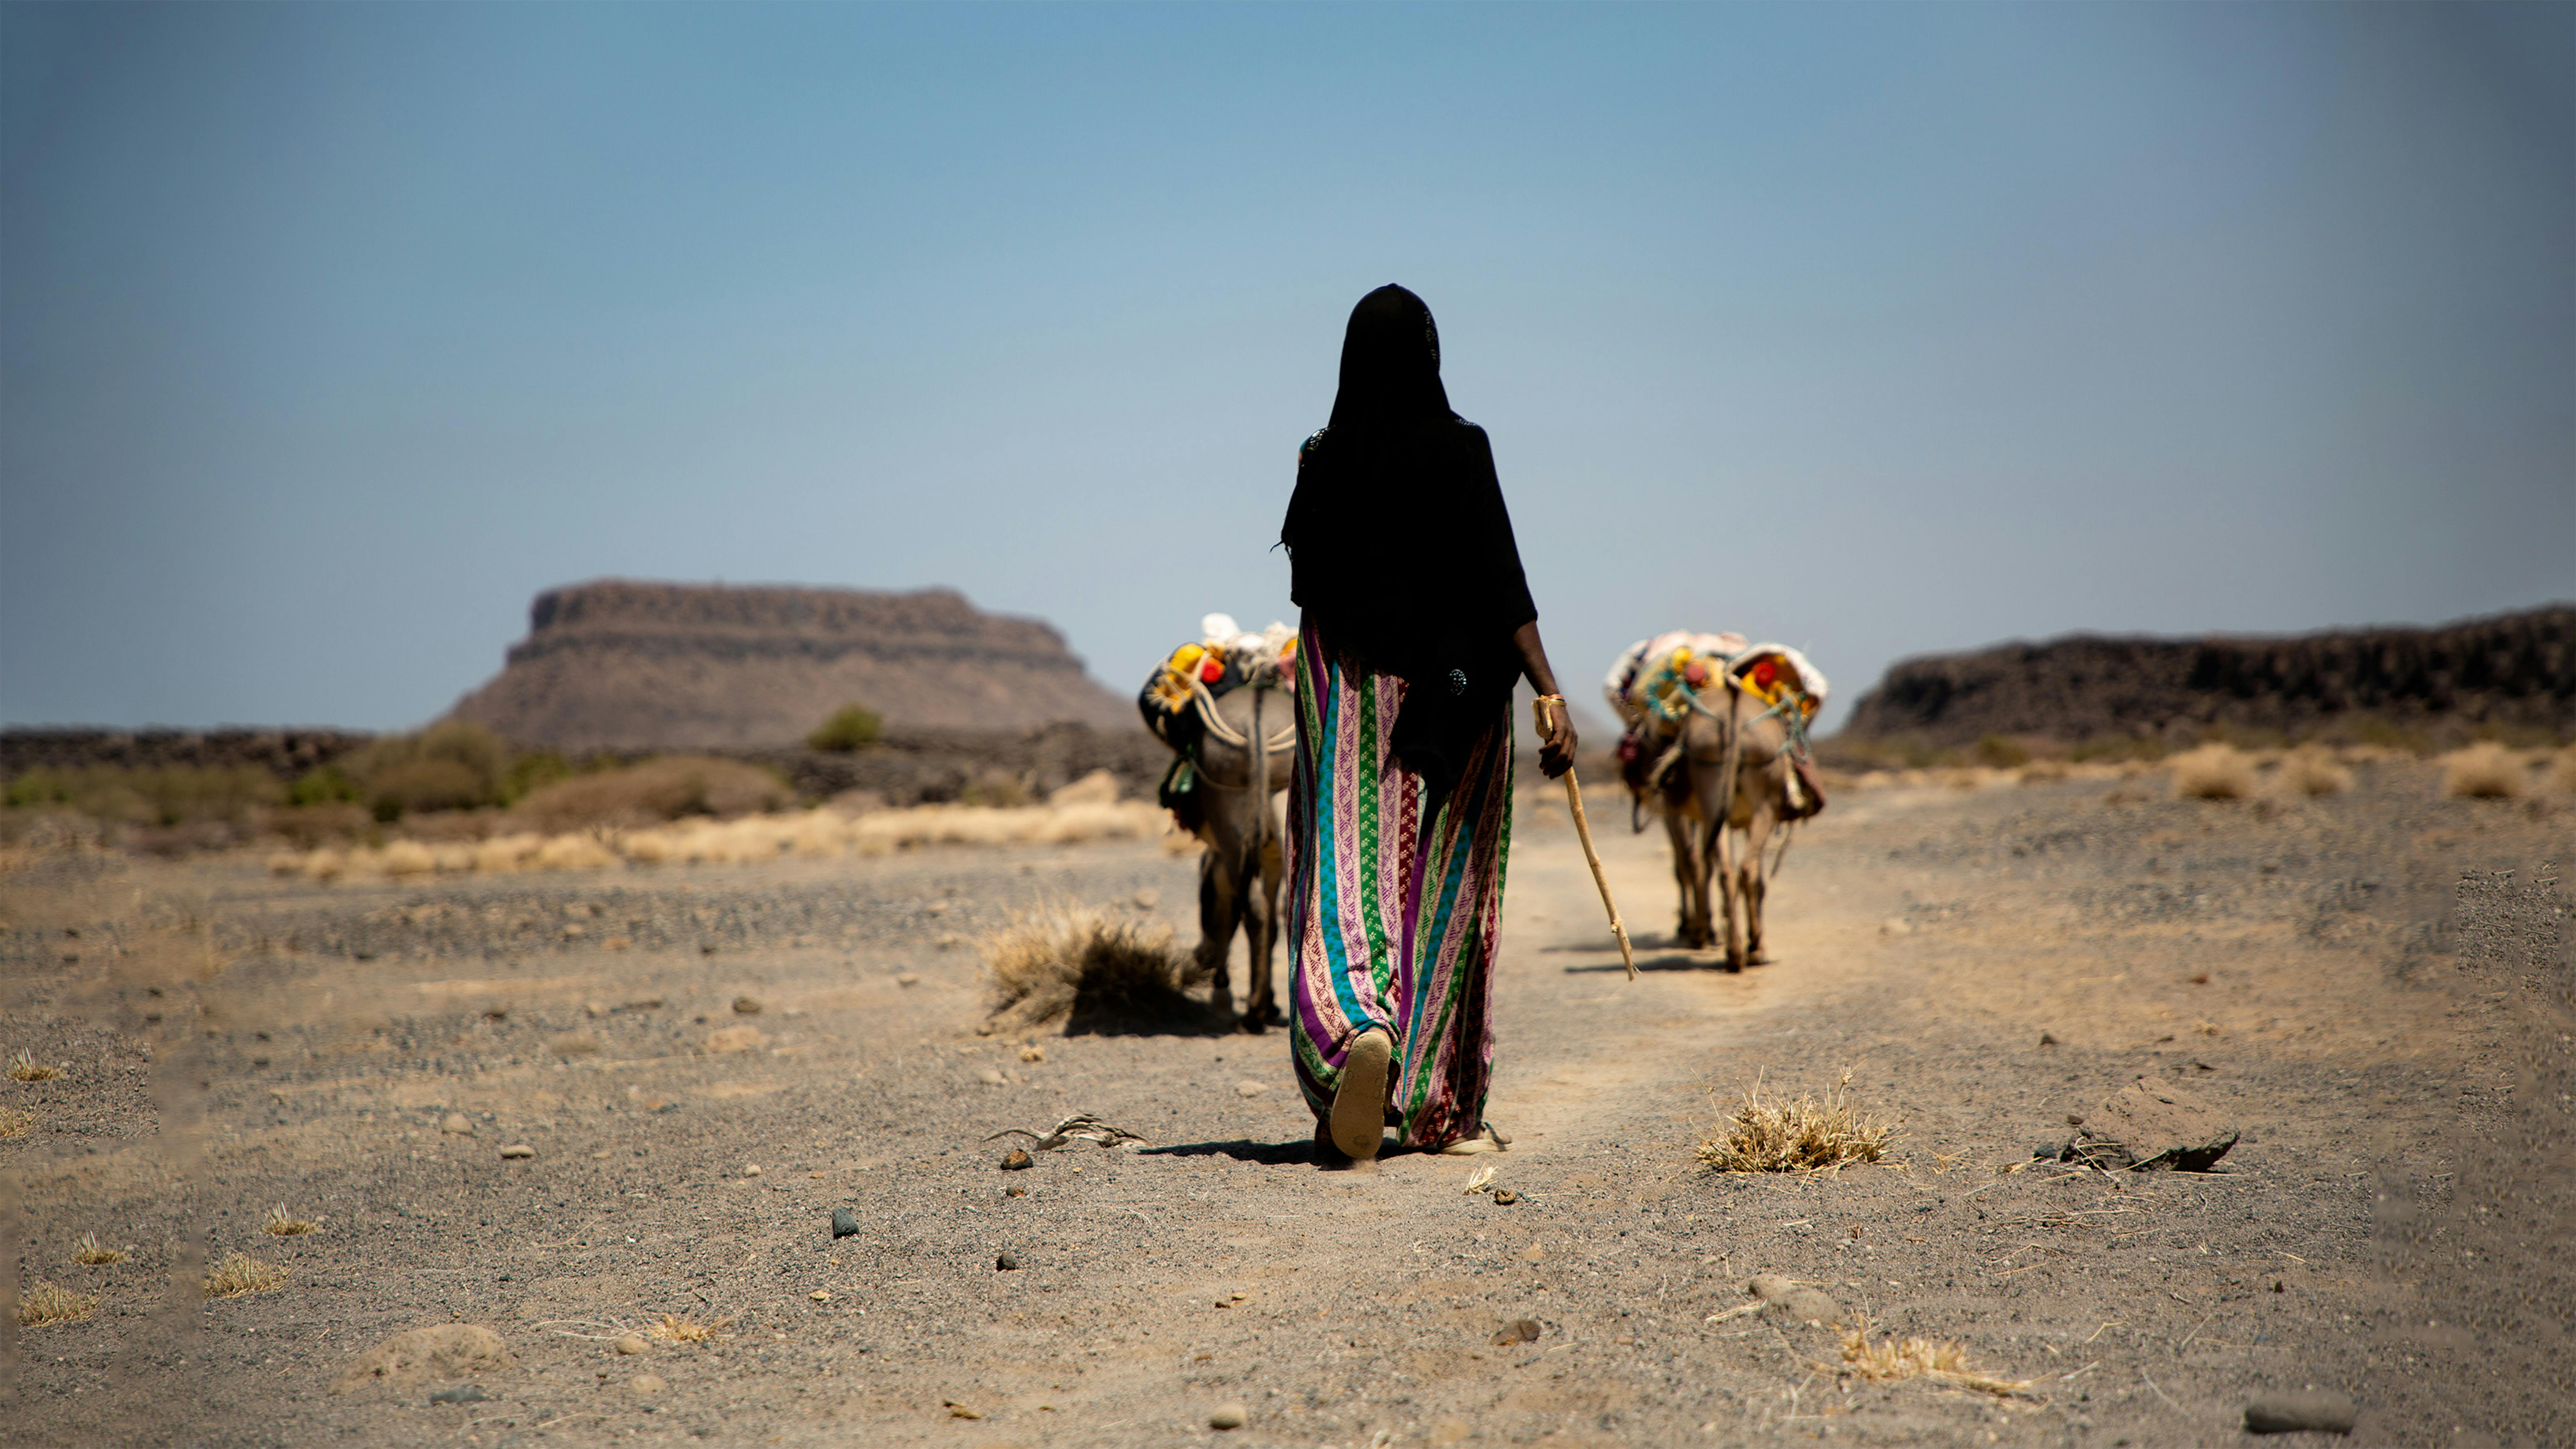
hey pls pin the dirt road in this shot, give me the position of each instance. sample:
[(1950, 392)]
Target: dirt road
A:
[(2394, 1225)]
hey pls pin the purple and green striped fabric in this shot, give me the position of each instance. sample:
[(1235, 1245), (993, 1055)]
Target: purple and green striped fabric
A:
[(1393, 920)]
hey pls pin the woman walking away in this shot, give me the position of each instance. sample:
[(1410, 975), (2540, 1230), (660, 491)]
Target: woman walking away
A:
[(1417, 622)]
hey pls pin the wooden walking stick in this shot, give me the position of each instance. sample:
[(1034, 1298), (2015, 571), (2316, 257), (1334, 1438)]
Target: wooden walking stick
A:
[(1583, 831)]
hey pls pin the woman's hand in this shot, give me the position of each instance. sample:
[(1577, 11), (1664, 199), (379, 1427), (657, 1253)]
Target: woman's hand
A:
[(1557, 745)]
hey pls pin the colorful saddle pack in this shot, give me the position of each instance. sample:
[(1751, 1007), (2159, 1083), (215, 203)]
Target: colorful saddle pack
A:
[(1658, 683), (1186, 685)]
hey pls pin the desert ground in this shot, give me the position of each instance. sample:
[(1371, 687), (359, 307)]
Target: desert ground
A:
[(705, 1063)]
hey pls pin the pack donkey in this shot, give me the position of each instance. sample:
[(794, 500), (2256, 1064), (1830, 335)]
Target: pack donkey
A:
[(1210, 702), (1717, 746)]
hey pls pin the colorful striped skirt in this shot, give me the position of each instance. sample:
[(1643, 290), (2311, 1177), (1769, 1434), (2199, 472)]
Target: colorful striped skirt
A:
[(1393, 919)]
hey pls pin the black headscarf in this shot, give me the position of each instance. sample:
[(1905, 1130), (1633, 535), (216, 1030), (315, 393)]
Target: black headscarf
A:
[(1399, 545)]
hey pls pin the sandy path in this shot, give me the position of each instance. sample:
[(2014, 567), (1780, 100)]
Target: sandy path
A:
[(2370, 1237)]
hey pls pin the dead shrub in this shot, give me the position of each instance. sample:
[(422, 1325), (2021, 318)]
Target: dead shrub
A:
[(240, 1273), (1896, 1360), (14, 1124), (25, 1068), (2313, 772), (652, 793), (673, 1328), (1801, 1136), (87, 1250), (2484, 771), (284, 1224), (1063, 960), (2213, 772), (44, 1303)]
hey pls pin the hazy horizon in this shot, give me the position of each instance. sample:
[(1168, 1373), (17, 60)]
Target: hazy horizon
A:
[(330, 336)]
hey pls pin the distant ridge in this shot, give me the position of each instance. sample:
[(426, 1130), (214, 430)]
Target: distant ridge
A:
[(617, 664), (2512, 670)]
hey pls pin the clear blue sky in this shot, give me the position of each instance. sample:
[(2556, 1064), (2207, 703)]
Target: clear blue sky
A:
[(331, 334)]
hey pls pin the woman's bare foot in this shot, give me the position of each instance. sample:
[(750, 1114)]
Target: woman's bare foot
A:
[(1359, 1104)]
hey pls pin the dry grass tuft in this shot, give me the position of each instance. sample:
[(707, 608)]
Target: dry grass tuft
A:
[(672, 1328), (2484, 771), (86, 1249), (2213, 772), (284, 1224), (25, 1068), (15, 1124), (1062, 958), (1801, 1136), (44, 1303), (2313, 772), (1896, 1360), (240, 1273)]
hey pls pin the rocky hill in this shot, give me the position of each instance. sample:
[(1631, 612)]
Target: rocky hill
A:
[(621, 665), (2510, 670)]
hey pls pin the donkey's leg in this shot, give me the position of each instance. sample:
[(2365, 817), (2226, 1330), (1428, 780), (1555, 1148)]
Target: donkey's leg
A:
[(1220, 906), (1754, 886), (1690, 882), (1726, 885), (1261, 934)]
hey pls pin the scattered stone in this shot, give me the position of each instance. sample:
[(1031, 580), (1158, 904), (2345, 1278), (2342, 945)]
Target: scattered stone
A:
[(444, 1350), (1033, 1053), (1229, 1416), (518, 1149), (1895, 926), (461, 1394), (631, 1345), (1533, 1253), (647, 1384), (643, 1003), (1519, 1330), (2312, 1412), (1770, 1287), (746, 1006), (1228, 1300), (751, 1169), (1806, 1305), (2150, 1125), (2047, 1040), (845, 1224), (821, 1295), (457, 1124), (1005, 1263), (1017, 1160), (1015, 1190), (908, 979), (736, 1039), (957, 1410), (991, 1078), (1148, 898), (1251, 1089), (1505, 1197), (938, 908)]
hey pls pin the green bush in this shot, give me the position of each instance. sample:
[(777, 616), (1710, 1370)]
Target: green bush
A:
[(2002, 752), (850, 727), (532, 772), (149, 795), (453, 765), (324, 786)]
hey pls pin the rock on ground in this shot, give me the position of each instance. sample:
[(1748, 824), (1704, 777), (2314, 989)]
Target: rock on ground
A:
[(444, 1350)]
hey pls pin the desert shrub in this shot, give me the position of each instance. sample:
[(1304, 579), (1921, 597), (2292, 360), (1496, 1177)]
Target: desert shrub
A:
[(1801, 1136), (654, 792), (2370, 729), (1062, 959), (2113, 749), (532, 772), (2311, 771), (452, 765), (149, 795), (45, 1303), (324, 786), (850, 727), (2484, 771), (2212, 772), (240, 1273), (2002, 752)]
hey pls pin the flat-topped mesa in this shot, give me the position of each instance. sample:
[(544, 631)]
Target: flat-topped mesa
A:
[(622, 665), (2509, 670)]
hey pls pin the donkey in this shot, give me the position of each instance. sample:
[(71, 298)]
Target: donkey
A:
[(1717, 748), (1232, 753)]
